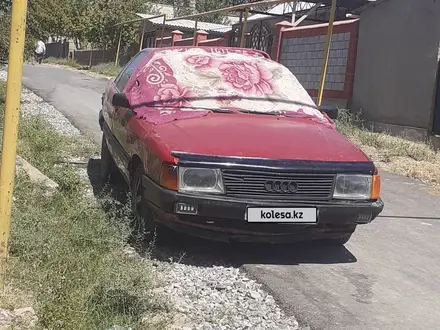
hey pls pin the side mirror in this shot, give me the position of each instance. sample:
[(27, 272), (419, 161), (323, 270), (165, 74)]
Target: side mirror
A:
[(332, 112), (120, 100)]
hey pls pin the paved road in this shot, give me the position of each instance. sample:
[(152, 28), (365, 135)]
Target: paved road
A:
[(76, 95), (387, 276)]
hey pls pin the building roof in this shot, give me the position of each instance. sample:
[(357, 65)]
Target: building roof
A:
[(279, 10), (349, 4), (303, 6), (370, 4), (187, 24)]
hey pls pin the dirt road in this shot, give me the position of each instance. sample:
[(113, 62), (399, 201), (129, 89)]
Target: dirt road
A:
[(385, 278)]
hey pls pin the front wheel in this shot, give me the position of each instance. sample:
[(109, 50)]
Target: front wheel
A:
[(144, 227), (109, 170)]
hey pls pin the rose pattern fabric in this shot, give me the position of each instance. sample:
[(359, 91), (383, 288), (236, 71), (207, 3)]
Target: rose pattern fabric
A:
[(251, 78), (215, 77), (171, 95), (200, 61), (224, 99)]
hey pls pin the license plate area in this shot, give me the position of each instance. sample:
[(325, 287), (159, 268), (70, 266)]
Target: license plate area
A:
[(281, 215)]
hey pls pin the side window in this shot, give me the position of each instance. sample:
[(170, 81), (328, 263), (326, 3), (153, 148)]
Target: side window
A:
[(125, 75)]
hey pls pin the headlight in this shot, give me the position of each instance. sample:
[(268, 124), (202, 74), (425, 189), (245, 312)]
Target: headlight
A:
[(200, 180), (355, 187)]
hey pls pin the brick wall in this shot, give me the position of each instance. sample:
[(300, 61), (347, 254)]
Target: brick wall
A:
[(176, 39), (184, 42), (220, 42), (301, 49)]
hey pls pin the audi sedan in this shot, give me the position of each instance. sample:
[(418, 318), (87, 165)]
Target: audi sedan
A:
[(225, 144)]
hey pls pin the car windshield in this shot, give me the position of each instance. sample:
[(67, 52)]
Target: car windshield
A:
[(226, 80)]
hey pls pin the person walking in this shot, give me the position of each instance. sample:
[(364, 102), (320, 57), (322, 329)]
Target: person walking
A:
[(40, 51)]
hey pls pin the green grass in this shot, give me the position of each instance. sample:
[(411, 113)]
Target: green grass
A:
[(107, 69), (396, 154), (67, 256), (63, 61)]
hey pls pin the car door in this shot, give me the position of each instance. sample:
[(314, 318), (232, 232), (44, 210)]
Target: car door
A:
[(116, 116)]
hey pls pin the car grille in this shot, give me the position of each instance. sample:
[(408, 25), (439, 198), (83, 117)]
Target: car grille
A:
[(247, 184)]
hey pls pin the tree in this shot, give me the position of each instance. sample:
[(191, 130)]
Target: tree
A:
[(182, 7), (104, 15)]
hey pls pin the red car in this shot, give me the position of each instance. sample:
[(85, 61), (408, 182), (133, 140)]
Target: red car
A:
[(225, 144)]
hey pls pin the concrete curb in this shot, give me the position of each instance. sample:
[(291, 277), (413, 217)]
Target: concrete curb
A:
[(22, 166)]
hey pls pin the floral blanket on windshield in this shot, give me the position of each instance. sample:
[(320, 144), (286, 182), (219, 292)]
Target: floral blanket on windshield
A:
[(186, 83)]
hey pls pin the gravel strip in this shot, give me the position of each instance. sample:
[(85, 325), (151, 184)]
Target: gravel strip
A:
[(223, 298), (215, 296), (33, 105)]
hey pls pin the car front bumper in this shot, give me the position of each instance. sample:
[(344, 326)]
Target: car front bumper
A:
[(222, 218)]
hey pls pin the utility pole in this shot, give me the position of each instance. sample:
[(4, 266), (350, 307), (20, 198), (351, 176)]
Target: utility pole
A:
[(326, 52), (10, 131)]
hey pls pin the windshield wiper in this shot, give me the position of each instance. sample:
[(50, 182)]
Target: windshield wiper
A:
[(216, 110), (242, 97), (273, 113)]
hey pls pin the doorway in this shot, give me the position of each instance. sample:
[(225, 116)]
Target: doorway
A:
[(436, 127)]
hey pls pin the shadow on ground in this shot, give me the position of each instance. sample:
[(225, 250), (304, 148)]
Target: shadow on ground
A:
[(199, 252)]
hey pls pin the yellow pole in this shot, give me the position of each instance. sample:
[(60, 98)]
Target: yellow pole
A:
[(119, 48), (10, 131), (195, 32), (142, 37), (326, 52), (163, 29), (243, 28)]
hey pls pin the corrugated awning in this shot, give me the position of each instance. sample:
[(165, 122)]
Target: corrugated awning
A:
[(187, 24)]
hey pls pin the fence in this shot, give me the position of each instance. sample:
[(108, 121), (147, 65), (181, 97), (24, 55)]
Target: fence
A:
[(201, 39), (57, 49), (98, 56), (301, 49)]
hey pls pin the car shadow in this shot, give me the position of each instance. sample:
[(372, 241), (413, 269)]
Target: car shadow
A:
[(176, 247)]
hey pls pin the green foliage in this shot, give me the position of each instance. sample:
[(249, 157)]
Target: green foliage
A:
[(92, 21), (4, 36), (70, 254), (182, 7), (104, 15), (107, 69), (63, 61)]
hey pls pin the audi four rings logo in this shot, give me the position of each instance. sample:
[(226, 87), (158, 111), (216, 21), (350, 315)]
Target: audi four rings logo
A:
[(287, 187)]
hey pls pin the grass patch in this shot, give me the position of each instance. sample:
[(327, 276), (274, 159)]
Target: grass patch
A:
[(67, 255), (63, 61), (416, 160), (107, 69)]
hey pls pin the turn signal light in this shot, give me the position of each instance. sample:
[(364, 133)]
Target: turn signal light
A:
[(375, 191), (168, 177)]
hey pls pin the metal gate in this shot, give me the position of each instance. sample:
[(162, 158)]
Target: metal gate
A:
[(260, 37)]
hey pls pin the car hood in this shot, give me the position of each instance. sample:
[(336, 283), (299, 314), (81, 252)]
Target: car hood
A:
[(258, 136)]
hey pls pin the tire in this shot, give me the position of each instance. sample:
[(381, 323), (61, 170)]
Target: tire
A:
[(143, 225), (109, 170)]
